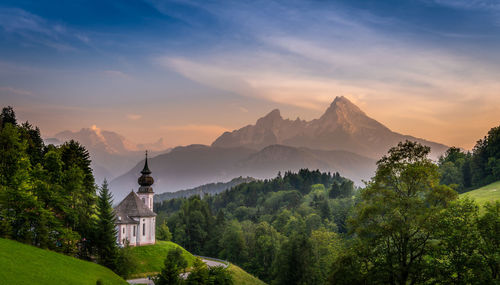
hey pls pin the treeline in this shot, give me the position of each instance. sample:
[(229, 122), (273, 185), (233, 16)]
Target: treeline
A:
[(207, 189), (468, 170), (409, 229), (404, 227), (48, 196), (275, 229)]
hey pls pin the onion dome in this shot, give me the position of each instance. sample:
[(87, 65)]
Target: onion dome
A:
[(145, 181)]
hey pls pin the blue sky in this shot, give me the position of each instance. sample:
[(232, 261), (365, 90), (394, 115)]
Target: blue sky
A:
[(188, 70)]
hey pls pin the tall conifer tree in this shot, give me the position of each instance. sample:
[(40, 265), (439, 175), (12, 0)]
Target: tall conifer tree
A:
[(107, 249)]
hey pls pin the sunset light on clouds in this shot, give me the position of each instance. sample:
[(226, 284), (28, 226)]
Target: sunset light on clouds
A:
[(187, 71)]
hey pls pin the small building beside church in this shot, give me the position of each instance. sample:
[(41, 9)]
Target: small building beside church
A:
[(135, 219)]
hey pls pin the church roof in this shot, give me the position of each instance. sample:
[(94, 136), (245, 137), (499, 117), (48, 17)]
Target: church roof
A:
[(131, 207)]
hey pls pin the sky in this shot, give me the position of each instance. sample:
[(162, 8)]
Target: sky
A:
[(186, 71)]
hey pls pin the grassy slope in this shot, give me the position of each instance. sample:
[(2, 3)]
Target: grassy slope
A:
[(24, 264), (241, 277), (488, 193), (150, 258)]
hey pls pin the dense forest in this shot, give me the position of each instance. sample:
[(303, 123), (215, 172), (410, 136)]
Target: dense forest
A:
[(48, 197), (468, 170), (210, 189), (407, 226), (258, 226)]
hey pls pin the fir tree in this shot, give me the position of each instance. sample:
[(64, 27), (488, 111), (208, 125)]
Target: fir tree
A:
[(106, 233)]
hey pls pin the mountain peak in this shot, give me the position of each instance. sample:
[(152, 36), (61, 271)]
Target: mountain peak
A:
[(274, 114), (270, 119), (343, 126), (344, 106)]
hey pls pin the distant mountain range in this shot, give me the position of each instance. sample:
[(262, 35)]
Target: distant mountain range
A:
[(111, 153), (206, 189), (194, 165), (342, 127), (344, 139)]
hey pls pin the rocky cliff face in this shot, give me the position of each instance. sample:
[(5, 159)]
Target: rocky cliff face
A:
[(343, 126)]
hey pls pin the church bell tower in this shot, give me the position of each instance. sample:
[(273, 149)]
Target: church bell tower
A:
[(145, 192)]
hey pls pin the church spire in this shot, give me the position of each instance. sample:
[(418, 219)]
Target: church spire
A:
[(146, 170), (145, 181)]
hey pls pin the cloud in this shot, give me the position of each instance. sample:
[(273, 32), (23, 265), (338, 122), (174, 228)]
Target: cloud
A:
[(14, 91), (195, 128), (18, 20), (308, 75), (191, 133), (116, 74), (488, 5), (83, 38), (408, 83), (36, 30), (134, 117)]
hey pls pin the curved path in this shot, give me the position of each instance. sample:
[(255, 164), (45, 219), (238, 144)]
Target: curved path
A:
[(210, 262)]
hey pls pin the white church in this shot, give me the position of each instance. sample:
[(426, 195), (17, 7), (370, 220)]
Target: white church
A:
[(135, 219)]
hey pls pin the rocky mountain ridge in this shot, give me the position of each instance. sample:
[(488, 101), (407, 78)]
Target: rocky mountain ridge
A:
[(343, 126)]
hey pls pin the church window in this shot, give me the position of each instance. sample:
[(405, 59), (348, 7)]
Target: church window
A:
[(144, 200), (143, 229), (134, 231), (123, 230)]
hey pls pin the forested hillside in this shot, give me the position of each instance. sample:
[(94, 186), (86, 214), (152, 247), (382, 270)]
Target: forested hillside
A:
[(466, 171), (263, 225), (315, 228), (47, 193), (48, 197), (206, 189)]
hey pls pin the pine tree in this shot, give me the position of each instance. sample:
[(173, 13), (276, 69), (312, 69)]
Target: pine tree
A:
[(107, 249), (173, 265)]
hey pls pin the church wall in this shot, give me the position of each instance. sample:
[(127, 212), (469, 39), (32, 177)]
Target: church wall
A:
[(126, 232), (147, 231), (147, 198)]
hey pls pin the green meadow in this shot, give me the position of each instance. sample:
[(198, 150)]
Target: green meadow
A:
[(488, 193), (25, 264), (150, 258)]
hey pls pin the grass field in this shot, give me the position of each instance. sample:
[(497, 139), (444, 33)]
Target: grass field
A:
[(150, 258), (241, 277), (24, 264), (488, 193)]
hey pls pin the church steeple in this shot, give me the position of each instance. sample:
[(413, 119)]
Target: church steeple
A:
[(145, 191), (146, 170), (145, 181)]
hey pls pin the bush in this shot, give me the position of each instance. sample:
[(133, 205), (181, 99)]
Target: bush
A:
[(125, 262), (163, 232)]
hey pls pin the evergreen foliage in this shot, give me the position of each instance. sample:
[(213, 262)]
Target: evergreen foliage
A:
[(199, 273), (163, 233), (465, 171), (255, 222), (47, 193), (174, 264), (105, 232)]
